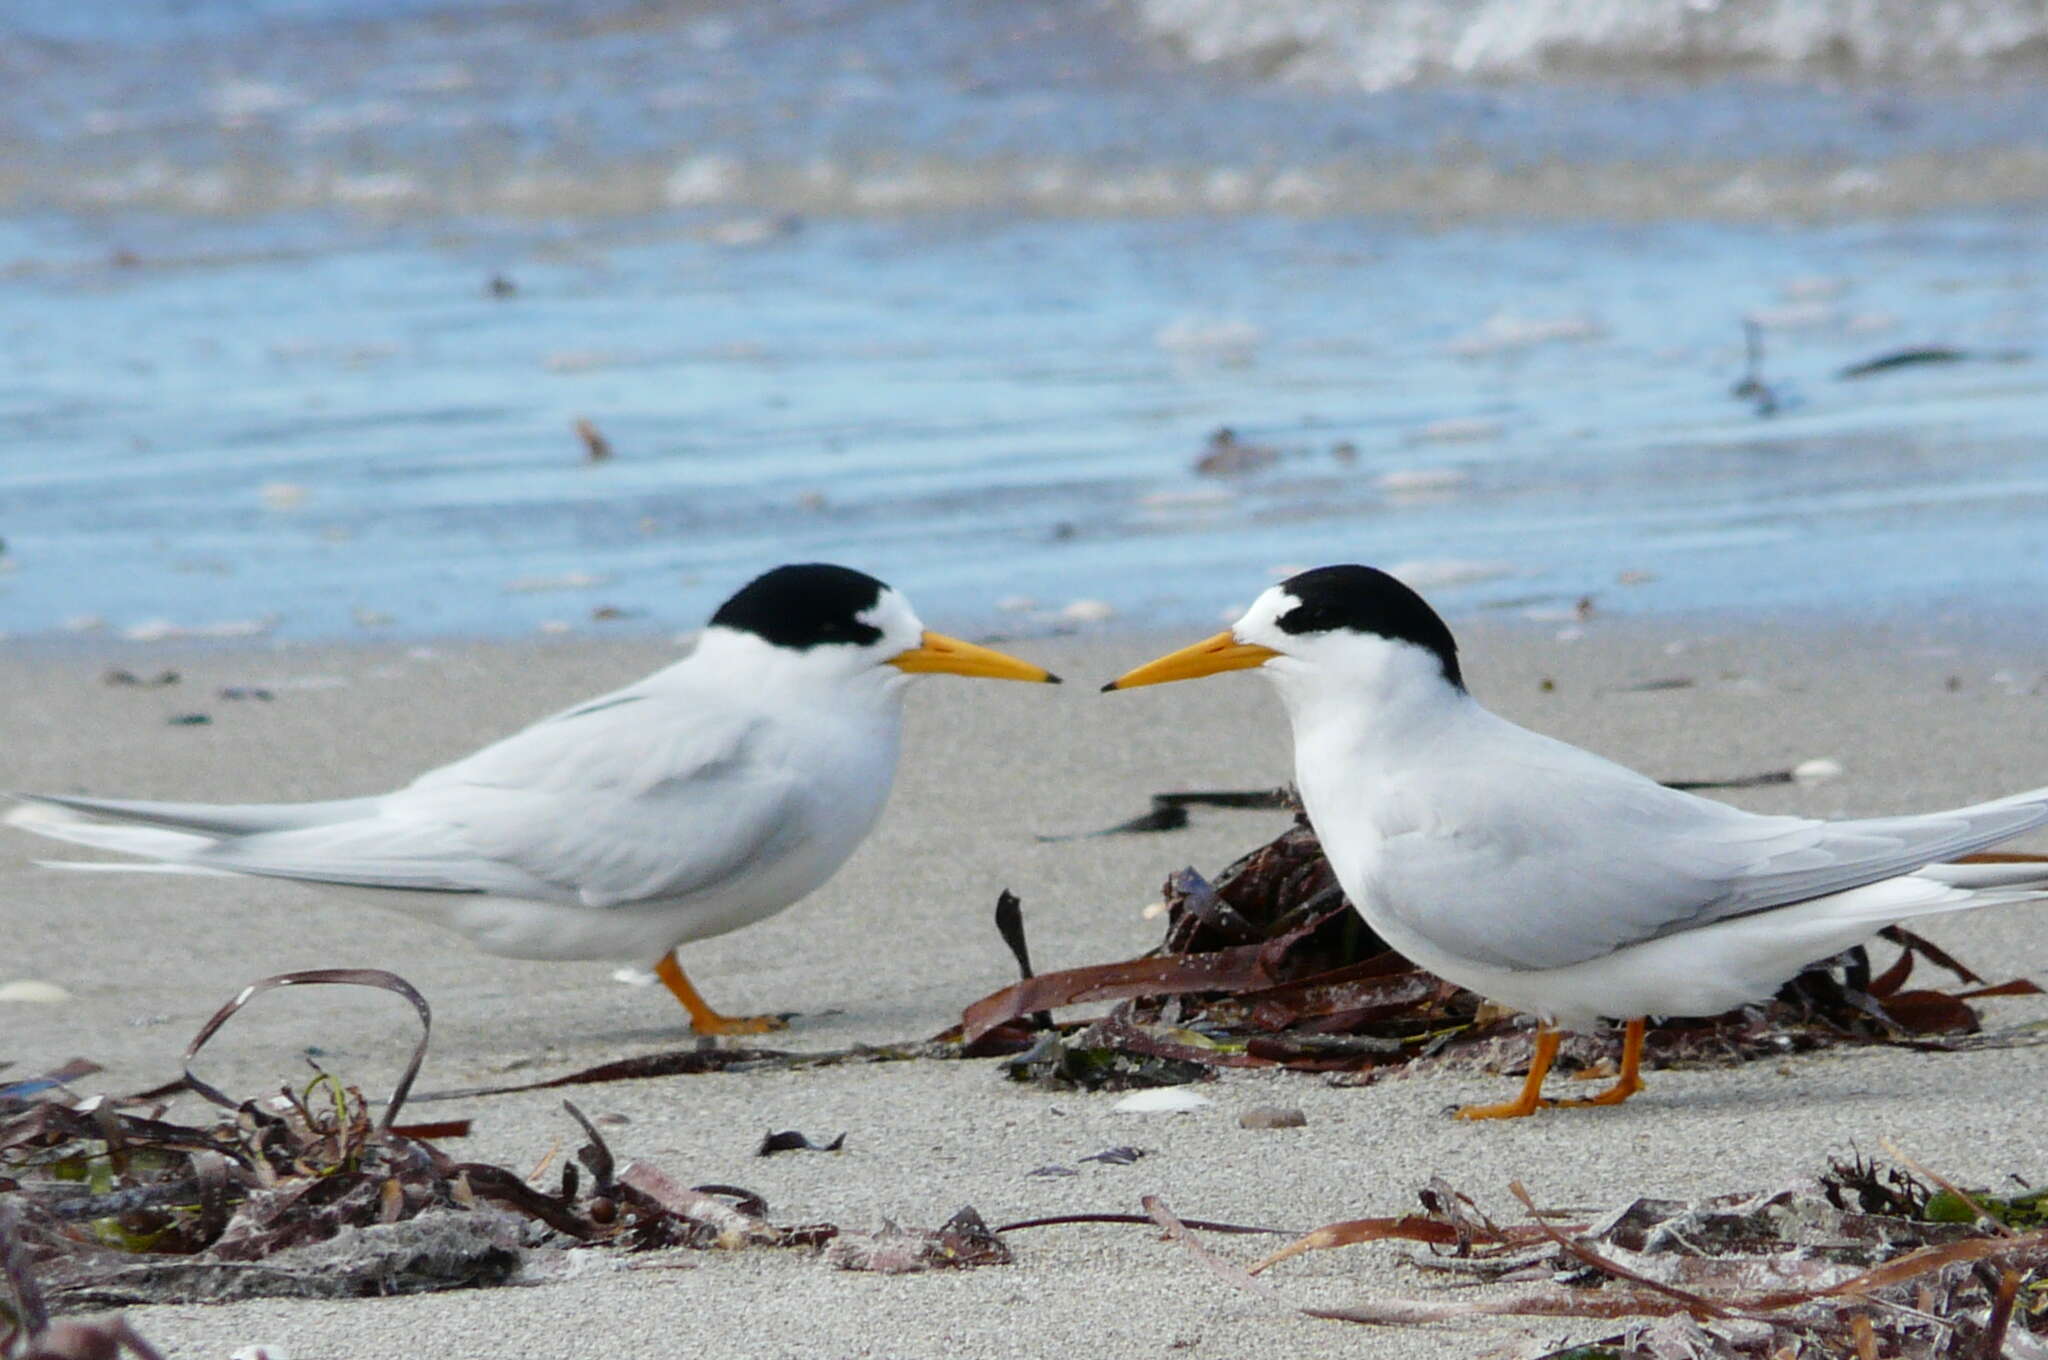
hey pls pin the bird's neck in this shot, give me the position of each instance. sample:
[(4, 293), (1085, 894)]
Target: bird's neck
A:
[(1353, 728)]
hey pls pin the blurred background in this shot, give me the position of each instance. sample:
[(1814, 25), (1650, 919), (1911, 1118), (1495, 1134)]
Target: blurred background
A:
[(393, 318)]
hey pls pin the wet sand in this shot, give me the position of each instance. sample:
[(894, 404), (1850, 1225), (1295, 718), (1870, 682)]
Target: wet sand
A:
[(894, 946)]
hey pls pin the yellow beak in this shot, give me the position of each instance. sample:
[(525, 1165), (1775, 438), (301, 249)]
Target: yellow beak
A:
[(937, 653), (1210, 656)]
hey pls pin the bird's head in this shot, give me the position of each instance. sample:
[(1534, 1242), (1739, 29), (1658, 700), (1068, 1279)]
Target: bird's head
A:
[(1345, 628), (833, 623)]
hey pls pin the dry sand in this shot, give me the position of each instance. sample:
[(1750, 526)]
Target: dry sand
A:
[(901, 939)]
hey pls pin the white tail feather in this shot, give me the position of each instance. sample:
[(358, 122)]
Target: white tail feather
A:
[(96, 866), (2017, 875), (154, 842)]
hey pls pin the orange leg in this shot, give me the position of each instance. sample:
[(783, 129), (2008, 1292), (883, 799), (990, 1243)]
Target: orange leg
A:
[(1631, 1079), (1531, 1099), (702, 1018)]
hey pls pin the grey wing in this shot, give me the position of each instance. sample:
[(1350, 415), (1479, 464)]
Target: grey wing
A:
[(594, 807), (1599, 862), (675, 838)]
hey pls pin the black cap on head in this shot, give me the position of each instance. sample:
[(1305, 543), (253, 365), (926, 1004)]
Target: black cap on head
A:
[(812, 604), (1367, 600)]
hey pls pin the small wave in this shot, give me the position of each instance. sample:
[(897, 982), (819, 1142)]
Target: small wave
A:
[(1384, 44), (766, 199)]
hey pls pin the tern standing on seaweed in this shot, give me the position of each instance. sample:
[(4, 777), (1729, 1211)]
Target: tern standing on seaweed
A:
[(1545, 877)]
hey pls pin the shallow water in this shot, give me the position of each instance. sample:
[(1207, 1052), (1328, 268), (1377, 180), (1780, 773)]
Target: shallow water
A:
[(963, 299)]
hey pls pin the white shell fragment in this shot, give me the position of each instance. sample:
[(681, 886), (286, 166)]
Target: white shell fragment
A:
[(1161, 1100), (34, 992), (1817, 770)]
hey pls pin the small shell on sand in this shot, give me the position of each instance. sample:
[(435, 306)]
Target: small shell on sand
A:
[(34, 992), (1816, 770), (1161, 1100)]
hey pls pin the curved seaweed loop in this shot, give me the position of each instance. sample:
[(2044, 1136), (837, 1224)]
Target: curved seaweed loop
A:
[(309, 977)]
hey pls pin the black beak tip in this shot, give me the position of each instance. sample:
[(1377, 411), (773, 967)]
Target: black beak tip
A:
[(1108, 687), (1052, 679)]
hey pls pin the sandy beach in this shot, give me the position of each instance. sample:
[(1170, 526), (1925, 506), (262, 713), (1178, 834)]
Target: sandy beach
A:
[(1919, 717)]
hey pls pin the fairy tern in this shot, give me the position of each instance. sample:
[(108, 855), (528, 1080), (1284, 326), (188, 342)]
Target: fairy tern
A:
[(710, 795), (1547, 878)]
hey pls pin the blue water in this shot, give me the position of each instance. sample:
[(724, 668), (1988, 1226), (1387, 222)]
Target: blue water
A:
[(256, 380)]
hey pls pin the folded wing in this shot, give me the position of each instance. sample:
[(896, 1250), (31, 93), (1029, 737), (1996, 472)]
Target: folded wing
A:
[(1599, 862), (602, 805)]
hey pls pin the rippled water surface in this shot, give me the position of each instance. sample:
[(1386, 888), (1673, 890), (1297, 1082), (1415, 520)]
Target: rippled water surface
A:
[(965, 295)]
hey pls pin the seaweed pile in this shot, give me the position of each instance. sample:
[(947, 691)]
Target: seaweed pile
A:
[(1865, 1261), (105, 1202)]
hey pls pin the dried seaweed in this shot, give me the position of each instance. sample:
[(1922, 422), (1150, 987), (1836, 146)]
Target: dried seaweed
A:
[(107, 1202), (705, 1056), (1270, 966), (1791, 1272)]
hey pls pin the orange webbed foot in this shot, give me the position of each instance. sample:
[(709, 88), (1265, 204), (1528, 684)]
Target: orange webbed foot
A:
[(703, 1018), (1531, 1099)]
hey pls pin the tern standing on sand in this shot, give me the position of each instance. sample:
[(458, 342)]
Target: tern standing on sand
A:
[(706, 797), (1544, 877)]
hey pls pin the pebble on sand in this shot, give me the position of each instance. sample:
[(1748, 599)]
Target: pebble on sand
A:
[(1272, 1117)]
